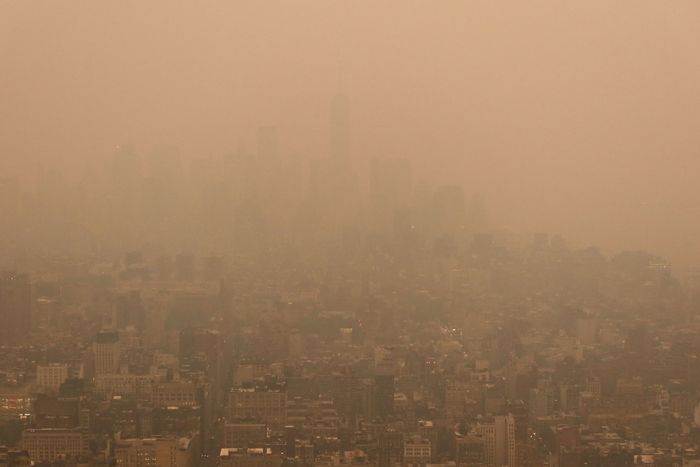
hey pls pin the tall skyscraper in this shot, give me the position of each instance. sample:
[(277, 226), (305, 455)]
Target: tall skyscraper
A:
[(340, 128), (15, 306), (332, 186), (499, 441), (106, 353), (384, 393)]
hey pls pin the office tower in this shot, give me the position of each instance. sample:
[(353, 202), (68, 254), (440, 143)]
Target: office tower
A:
[(174, 394), (384, 393), (249, 457), (56, 412), (154, 452), (429, 432), (266, 404), (290, 437), (518, 409), (15, 306), (458, 397), (499, 441), (49, 444), (417, 452), (539, 402), (51, 376), (106, 353), (12, 457), (340, 128), (203, 349), (304, 413), (332, 185), (390, 446), (243, 435), (129, 310), (368, 399), (469, 449)]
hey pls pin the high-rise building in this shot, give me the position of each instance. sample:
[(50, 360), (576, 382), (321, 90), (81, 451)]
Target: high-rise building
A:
[(390, 448), (154, 452), (332, 185), (56, 412), (265, 404), (468, 448), (384, 393), (428, 431), (243, 435), (207, 343), (49, 444), (106, 353), (175, 394), (129, 310), (51, 376), (15, 306), (539, 402), (417, 452), (10, 457), (499, 441), (249, 457)]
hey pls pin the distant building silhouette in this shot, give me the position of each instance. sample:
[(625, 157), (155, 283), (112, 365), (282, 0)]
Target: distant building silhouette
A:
[(340, 128), (15, 306)]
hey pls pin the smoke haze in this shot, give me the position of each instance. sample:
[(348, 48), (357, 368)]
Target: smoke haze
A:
[(579, 118)]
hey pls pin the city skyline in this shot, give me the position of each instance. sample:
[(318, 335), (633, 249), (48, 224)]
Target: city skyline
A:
[(343, 233), (574, 119)]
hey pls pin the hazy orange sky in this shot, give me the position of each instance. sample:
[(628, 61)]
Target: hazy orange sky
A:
[(581, 117)]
